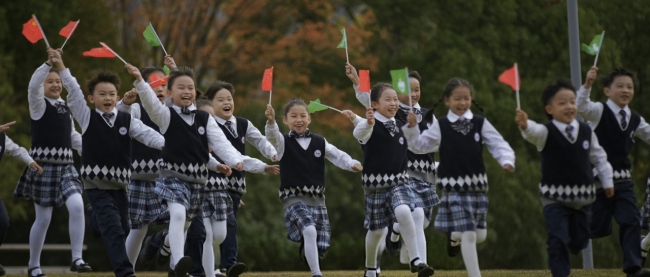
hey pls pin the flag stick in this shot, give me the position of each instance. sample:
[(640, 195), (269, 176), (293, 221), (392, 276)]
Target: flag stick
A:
[(69, 35), (408, 87), (161, 44), (47, 43), (109, 49), (329, 107), (346, 45), (599, 46), (517, 85), (270, 93)]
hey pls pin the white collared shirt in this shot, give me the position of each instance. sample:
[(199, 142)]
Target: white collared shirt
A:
[(15, 150), (363, 131), (253, 136)]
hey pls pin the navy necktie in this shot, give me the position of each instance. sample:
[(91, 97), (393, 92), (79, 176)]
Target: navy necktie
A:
[(568, 131), (230, 128), (306, 134), (187, 111), (623, 119), (107, 117)]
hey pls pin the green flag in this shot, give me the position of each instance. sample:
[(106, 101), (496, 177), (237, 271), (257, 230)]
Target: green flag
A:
[(401, 81), (594, 46), (166, 70), (316, 106), (344, 41), (151, 37)]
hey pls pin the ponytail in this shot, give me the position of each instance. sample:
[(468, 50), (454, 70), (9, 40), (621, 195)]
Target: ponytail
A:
[(477, 106), (429, 116)]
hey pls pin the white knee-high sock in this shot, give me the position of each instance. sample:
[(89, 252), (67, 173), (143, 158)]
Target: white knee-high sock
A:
[(176, 233), (310, 236), (645, 243), (407, 231), (37, 235), (76, 225), (421, 240), (208, 251), (426, 223), (404, 256), (468, 249), (481, 235), (134, 243), (219, 230), (373, 238)]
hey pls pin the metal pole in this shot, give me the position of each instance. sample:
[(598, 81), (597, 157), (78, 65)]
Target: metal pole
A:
[(576, 80)]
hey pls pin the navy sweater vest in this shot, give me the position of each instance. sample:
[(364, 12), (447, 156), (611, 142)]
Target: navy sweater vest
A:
[(51, 140), (418, 164), (617, 142), (2, 144), (384, 159), (185, 155), (566, 169), (237, 180), (106, 150), (144, 159), (303, 170), (461, 166)]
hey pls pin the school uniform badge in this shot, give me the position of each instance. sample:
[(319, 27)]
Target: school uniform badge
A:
[(477, 137), (123, 131), (401, 140), (243, 140), (201, 130), (317, 153), (585, 144)]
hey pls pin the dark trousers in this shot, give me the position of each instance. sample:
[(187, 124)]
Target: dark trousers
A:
[(4, 221), (194, 245), (228, 247), (110, 217), (568, 231), (622, 206)]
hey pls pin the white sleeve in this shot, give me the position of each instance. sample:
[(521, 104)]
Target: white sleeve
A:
[(221, 146), (144, 134), (255, 137), (339, 158), (643, 131), (425, 142), (598, 158), (363, 131), (133, 109), (36, 92), (357, 120), (273, 135), (159, 113), (76, 102), (253, 165), (590, 111), (536, 134), (498, 147), (76, 139), (15, 150), (212, 163), (363, 97)]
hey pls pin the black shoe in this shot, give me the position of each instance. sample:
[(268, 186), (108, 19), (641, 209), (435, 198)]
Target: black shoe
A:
[(393, 247), (574, 251), (236, 269), (151, 247), (183, 266), (29, 272), (452, 251), (170, 273), (422, 269), (640, 273), (2, 271), (81, 268)]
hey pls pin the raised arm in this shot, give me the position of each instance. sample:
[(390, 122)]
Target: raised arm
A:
[(36, 91), (272, 132), (159, 113), (255, 137), (590, 111), (144, 134), (363, 130), (76, 102), (341, 159), (532, 131)]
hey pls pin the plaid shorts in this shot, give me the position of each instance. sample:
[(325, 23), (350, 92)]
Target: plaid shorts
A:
[(298, 216), (175, 190), (381, 204), (217, 205), (462, 211), (425, 196), (50, 189), (144, 206)]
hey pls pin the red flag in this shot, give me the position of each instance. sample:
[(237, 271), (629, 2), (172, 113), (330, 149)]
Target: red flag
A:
[(99, 52), (364, 81), (31, 31), (68, 29), (155, 80), (510, 77), (267, 80)]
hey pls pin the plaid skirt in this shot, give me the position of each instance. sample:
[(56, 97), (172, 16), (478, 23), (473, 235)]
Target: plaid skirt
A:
[(217, 205), (50, 189), (381, 204), (425, 196), (175, 190), (462, 211), (144, 206), (298, 216)]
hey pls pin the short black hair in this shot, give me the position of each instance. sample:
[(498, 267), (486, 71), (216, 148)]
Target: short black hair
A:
[(416, 75), (181, 71), (201, 102), (609, 78), (103, 77), (147, 71), (216, 87), (552, 89), (294, 102)]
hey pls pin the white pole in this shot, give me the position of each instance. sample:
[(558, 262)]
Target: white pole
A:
[(270, 93), (47, 43), (345, 35), (161, 44), (69, 35), (517, 85), (109, 49), (602, 36)]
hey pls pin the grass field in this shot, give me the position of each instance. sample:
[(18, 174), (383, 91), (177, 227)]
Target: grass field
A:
[(441, 273)]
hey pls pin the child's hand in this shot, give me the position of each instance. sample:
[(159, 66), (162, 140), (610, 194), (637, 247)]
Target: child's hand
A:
[(591, 77), (55, 58), (412, 119), (6, 126), (370, 116), (509, 168), (270, 115), (522, 119), (224, 169), (134, 71), (272, 169), (169, 62), (239, 166), (36, 167), (357, 167), (241, 203), (609, 192), (349, 114), (351, 72), (130, 97)]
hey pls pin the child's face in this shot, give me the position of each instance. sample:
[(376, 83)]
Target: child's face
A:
[(160, 90), (207, 109), (223, 104), (297, 118), (104, 97), (182, 91), (52, 86), (387, 103), (562, 106), (415, 93), (621, 91), (460, 100)]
